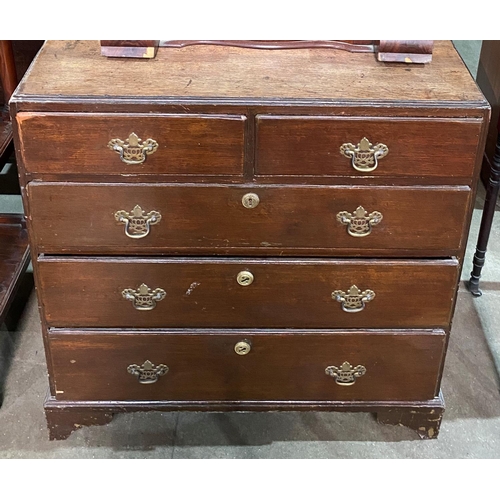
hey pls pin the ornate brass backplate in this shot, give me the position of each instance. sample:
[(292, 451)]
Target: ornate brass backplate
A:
[(346, 374), (147, 373), (360, 222), (137, 222), (133, 151), (364, 156), (144, 299), (354, 300)]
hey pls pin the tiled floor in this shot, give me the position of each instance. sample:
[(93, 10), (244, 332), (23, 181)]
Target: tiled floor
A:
[(470, 384)]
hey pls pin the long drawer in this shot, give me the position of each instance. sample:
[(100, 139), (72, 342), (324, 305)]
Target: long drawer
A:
[(239, 366), (80, 143), (247, 293), (160, 218), (393, 147)]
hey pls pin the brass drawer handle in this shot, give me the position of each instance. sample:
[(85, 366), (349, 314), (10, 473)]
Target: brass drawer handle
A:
[(147, 373), (144, 299), (346, 374), (137, 222), (354, 300), (360, 222), (133, 151), (250, 200), (245, 278), (243, 347), (364, 156)]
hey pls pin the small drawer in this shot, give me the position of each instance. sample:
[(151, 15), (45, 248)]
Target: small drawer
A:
[(268, 220), (367, 147), (245, 366), (78, 143), (246, 293)]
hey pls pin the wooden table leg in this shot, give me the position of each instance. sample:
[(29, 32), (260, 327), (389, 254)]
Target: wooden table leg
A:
[(486, 222)]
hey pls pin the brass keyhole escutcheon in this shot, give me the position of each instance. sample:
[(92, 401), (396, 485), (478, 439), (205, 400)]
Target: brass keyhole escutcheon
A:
[(245, 278), (250, 200), (242, 348)]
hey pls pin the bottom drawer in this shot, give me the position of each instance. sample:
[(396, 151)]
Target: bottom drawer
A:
[(277, 366)]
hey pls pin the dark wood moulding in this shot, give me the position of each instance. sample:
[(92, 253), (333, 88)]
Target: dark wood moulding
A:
[(408, 51)]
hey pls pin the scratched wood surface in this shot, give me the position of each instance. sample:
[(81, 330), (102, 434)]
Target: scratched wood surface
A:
[(285, 293), (76, 68), (281, 367), (77, 218)]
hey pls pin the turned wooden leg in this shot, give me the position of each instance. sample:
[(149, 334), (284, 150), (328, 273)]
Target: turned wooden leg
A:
[(486, 222), (62, 422), (426, 421)]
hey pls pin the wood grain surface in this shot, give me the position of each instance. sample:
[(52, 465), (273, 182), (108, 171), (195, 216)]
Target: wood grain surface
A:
[(76, 68), (281, 367), (187, 144), (87, 292), (80, 218), (297, 145)]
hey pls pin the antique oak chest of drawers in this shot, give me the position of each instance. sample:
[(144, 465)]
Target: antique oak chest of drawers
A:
[(233, 229)]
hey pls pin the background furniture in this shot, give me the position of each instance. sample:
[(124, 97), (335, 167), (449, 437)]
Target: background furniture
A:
[(488, 79), (14, 251), (231, 229), (492, 189), (8, 80)]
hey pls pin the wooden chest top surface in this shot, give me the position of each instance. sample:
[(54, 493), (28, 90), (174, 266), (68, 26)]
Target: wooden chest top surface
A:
[(75, 68)]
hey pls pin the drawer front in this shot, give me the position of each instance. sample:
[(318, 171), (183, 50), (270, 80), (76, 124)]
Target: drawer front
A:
[(248, 293), (100, 218), (311, 146), (277, 367), (66, 143)]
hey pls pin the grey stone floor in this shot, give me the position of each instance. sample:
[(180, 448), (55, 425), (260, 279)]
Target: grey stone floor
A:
[(470, 429)]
